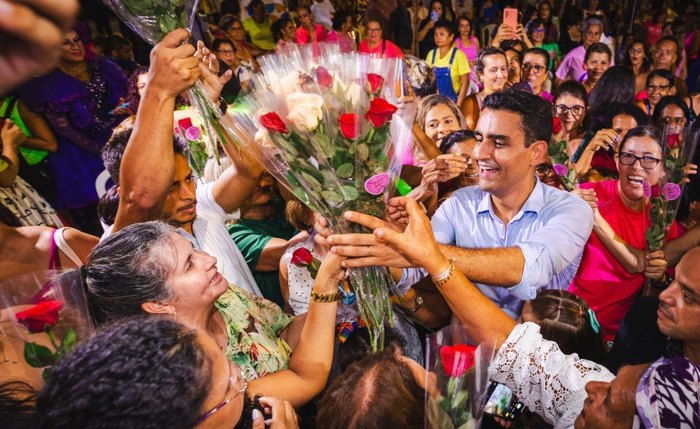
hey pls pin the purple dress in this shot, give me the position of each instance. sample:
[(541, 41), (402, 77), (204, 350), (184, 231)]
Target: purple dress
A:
[(78, 114)]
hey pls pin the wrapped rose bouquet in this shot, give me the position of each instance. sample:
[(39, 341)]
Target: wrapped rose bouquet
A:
[(329, 126)]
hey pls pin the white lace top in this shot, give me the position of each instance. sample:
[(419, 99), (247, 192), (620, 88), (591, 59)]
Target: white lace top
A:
[(546, 380)]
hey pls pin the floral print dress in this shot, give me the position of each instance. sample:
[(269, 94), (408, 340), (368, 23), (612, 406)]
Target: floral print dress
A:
[(254, 325)]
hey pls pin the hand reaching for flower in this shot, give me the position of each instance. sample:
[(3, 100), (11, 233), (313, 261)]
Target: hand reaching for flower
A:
[(209, 66), (441, 169)]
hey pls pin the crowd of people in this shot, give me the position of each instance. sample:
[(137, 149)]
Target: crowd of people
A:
[(201, 316)]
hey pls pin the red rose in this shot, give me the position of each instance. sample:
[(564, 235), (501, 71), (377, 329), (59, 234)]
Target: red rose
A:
[(374, 83), (380, 112), (272, 122), (324, 79), (185, 123), (556, 125), (41, 316), (673, 141), (302, 257), (348, 125), (457, 359)]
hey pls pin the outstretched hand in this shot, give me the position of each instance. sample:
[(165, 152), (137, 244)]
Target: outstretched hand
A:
[(31, 32)]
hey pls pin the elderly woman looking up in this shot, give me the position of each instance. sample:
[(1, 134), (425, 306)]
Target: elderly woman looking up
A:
[(149, 268)]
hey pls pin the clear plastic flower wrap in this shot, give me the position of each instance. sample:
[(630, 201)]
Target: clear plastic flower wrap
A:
[(42, 316), (665, 196), (152, 20), (329, 126), (456, 379)]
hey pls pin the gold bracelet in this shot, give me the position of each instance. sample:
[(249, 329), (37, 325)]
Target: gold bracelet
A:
[(445, 276), (325, 297)]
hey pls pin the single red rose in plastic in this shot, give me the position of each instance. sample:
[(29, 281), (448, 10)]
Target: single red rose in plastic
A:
[(556, 125), (374, 83), (324, 79), (302, 257), (41, 316), (185, 123), (272, 122), (673, 141), (380, 112), (457, 359), (348, 125)]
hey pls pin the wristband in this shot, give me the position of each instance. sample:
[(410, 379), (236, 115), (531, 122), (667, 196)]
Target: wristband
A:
[(325, 297), (445, 276)]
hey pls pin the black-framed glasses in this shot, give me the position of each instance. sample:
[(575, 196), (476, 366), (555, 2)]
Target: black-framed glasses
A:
[(226, 52), (543, 169), (652, 87), (667, 120), (536, 67), (563, 109), (232, 381), (647, 162)]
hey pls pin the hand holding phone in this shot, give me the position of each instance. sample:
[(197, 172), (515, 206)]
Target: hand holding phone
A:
[(510, 18), (434, 16)]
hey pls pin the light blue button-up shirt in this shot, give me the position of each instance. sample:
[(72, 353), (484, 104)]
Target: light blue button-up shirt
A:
[(551, 230)]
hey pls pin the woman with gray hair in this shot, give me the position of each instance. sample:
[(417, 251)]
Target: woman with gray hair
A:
[(149, 268)]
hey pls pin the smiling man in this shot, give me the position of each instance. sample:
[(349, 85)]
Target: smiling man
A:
[(511, 230)]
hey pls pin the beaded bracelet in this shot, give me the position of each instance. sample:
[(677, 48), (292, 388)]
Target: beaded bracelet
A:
[(325, 297), (445, 276)]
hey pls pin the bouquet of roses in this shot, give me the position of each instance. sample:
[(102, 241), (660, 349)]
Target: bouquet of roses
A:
[(152, 20), (328, 126), (40, 321), (457, 379), (678, 151)]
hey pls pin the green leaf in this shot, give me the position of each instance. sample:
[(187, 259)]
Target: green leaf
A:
[(311, 182), (350, 193), (345, 171), (38, 356), (332, 198), (68, 341)]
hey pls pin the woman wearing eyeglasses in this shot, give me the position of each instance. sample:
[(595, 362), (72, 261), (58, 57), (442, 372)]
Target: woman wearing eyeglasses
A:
[(570, 106), (672, 112), (615, 263), (538, 36), (659, 84), (637, 58), (534, 71)]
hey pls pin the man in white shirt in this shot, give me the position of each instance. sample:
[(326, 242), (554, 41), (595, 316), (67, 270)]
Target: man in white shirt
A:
[(155, 182)]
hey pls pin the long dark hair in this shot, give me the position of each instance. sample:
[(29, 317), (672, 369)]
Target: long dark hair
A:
[(565, 319)]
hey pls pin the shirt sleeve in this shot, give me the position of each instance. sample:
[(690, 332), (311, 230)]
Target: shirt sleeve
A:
[(249, 242), (563, 70), (462, 63), (546, 380), (552, 249)]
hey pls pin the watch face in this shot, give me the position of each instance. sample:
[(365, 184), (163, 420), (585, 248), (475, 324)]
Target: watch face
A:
[(419, 301)]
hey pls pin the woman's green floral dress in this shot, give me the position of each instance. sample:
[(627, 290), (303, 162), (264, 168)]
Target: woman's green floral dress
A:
[(254, 325)]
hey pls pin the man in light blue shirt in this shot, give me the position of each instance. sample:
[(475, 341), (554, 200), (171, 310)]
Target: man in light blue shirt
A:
[(512, 231)]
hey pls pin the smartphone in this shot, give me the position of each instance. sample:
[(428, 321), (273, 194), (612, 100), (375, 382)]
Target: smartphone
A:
[(434, 16), (501, 402), (510, 17)]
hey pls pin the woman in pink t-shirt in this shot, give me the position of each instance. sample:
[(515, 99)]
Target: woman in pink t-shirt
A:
[(615, 261)]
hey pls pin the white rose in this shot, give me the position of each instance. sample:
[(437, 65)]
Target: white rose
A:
[(262, 139), (304, 110), (354, 94), (284, 85)]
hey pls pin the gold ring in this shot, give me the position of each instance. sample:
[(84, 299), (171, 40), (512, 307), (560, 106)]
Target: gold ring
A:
[(367, 251)]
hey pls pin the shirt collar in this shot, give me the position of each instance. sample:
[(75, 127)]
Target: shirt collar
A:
[(534, 203)]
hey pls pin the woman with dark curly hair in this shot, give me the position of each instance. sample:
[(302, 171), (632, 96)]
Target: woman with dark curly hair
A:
[(151, 373)]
